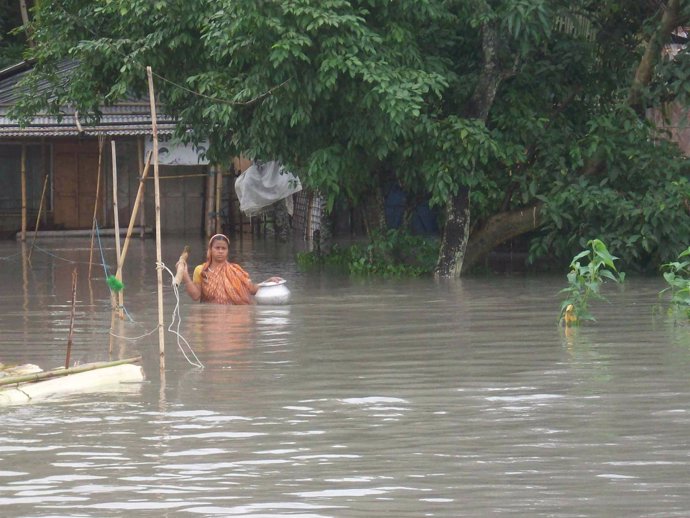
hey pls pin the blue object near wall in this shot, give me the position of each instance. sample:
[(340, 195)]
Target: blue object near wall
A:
[(424, 219)]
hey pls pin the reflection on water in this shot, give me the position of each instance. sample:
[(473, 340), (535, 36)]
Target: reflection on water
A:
[(360, 398)]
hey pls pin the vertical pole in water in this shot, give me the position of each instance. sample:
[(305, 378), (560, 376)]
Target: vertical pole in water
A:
[(101, 141), (209, 200), (140, 157), (116, 218), (71, 318), (133, 215), (157, 196), (219, 190), (38, 218), (23, 180)]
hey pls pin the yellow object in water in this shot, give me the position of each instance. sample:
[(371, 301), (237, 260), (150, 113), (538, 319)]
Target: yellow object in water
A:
[(569, 316)]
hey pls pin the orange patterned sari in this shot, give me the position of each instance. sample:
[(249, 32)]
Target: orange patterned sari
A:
[(227, 284)]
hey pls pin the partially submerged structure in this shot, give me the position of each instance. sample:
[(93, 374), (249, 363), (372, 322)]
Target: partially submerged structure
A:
[(65, 150), (73, 158)]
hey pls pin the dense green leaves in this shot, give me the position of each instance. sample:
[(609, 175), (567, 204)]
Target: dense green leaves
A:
[(356, 95), (677, 276), (12, 39)]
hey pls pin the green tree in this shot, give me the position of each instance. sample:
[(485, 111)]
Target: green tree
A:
[(11, 43), (511, 116)]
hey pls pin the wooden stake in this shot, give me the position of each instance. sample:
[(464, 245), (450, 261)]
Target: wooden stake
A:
[(219, 190), (159, 261), (116, 219), (101, 141), (142, 212), (38, 218), (23, 9), (133, 217), (209, 201), (71, 317), (23, 174)]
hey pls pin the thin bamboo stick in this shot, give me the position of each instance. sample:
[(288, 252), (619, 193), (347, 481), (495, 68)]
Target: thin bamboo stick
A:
[(219, 190), (209, 201), (159, 260), (178, 176), (23, 180), (137, 202), (38, 218), (71, 318), (101, 141), (116, 219), (142, 212)]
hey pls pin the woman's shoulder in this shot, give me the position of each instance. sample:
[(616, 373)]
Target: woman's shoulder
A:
[(196, 277)]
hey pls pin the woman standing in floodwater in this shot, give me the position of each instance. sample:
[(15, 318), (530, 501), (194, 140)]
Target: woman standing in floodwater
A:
[(219, 281)]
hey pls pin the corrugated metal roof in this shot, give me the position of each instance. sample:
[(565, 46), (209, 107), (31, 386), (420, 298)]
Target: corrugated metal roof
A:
[(11, 76), (67, 131), (126, 118)]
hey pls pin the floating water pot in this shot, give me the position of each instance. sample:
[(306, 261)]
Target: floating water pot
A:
[(272, 293)]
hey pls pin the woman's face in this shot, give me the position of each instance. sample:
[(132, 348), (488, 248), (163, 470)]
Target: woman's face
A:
[(219, 251)]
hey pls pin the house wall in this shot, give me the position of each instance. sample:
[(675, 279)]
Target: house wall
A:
[(37, 166), (72, 165), (75, 178), (182, 191)]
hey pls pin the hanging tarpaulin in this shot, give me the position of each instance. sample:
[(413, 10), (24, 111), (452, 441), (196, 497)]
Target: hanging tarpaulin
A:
[(263, 184), (173, 151)]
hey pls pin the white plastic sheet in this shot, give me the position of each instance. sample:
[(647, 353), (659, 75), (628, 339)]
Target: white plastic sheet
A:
[(263, 184)]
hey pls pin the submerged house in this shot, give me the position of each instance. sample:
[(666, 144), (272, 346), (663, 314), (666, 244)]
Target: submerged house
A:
[(64, 153), (73, 159)]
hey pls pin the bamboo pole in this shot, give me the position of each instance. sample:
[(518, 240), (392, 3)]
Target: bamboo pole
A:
[(46, 172), (71, 318), (23, 180), (25, 283), (40, 376), (116, 219), (209, 201), (219, 190), (111, 341), (101, 141), (133, 217), (142, 212), (38, 218), (159, 261)]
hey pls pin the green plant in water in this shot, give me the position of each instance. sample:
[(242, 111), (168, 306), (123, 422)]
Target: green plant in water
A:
[(588, 271), (677, 276)]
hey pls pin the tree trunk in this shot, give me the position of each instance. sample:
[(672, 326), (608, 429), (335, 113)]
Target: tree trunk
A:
[(670, 21), (374, 212), (455, 236), (497, 230), (456, 229)]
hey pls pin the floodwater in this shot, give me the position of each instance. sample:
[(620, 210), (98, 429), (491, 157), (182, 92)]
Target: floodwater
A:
[(361, 398)]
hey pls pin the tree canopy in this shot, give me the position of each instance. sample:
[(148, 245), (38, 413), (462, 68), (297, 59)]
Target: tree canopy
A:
[(510, 116), (11, 43)]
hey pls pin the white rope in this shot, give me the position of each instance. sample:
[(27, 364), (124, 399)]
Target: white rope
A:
[(136, 337), (176, 314)]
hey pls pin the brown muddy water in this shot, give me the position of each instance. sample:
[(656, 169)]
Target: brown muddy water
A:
[(361, 398)]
